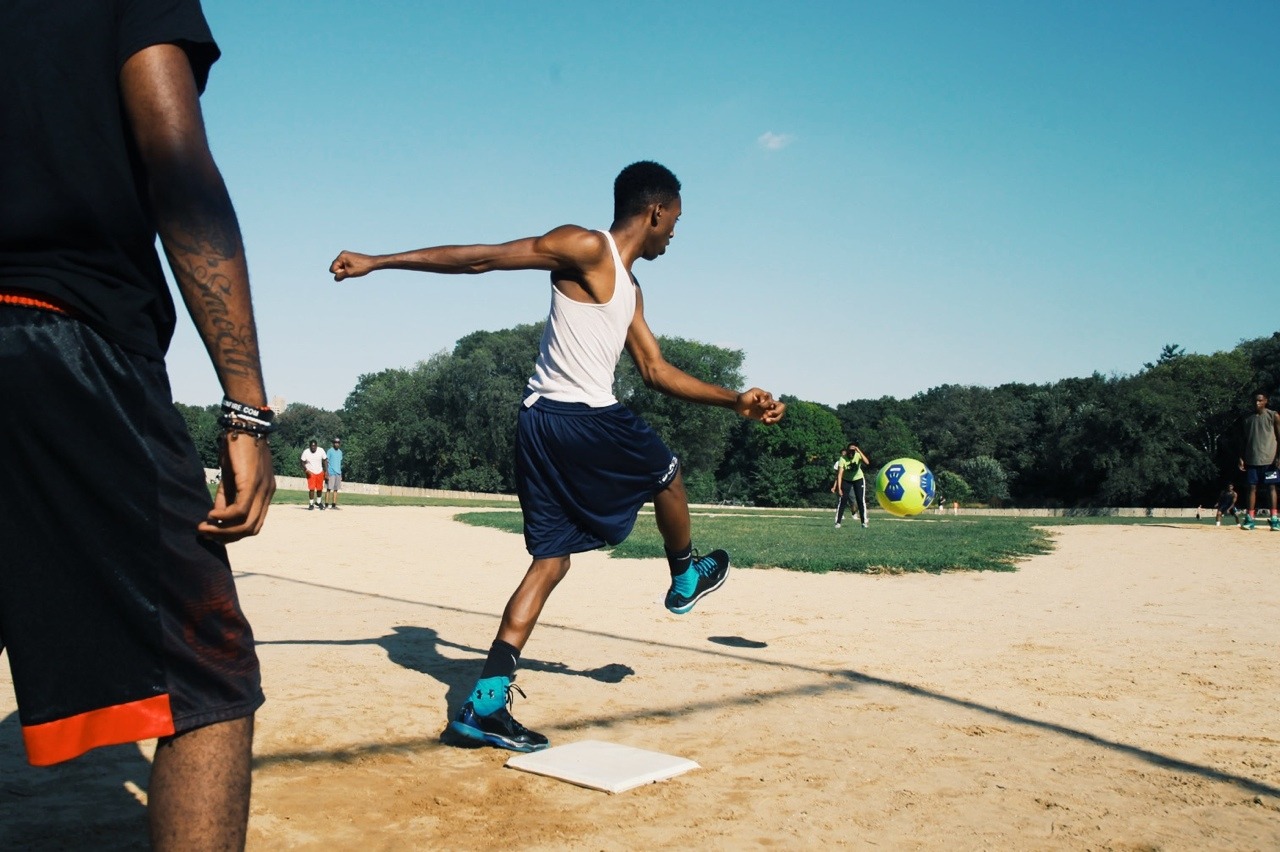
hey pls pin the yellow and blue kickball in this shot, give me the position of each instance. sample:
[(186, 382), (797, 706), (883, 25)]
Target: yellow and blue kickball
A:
[(904, 487)]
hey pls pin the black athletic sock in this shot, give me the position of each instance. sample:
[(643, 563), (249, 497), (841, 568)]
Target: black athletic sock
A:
[(679, 560), (502, 661)]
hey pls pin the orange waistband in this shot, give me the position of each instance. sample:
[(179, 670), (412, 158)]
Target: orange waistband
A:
[(31, 302)]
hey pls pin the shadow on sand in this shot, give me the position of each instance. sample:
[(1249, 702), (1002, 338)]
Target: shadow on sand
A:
[(91, 802), (418, 649)]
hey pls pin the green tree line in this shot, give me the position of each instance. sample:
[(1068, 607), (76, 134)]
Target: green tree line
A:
[(1167, 436)]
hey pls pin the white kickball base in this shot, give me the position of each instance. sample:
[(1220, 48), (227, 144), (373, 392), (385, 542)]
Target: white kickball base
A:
[(603, 766)]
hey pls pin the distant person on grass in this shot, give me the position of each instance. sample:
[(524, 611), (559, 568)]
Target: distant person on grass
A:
[(314, 462), (851, 484), (1261, 441), (1226, 504), (584, 463), (333, 473)]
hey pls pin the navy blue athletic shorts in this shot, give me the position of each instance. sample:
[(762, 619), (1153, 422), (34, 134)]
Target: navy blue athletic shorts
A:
[(583, 473), (119, 622), (1261, 474)]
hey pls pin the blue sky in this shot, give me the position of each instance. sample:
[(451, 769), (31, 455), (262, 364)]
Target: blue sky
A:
[(879, 198)]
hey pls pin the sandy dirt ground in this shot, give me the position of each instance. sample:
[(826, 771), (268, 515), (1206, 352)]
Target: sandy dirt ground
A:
[(1119, 693)]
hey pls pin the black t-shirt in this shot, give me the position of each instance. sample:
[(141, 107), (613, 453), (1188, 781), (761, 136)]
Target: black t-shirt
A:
[(75, 224)]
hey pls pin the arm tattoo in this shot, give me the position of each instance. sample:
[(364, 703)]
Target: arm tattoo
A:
[(206, 255)]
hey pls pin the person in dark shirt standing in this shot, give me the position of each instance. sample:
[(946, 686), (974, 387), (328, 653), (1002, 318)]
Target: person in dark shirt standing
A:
[(117, 608), (1258, 459), (333, 473)]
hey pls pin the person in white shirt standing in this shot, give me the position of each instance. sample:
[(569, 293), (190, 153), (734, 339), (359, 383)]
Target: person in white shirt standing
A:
[(314, 465)]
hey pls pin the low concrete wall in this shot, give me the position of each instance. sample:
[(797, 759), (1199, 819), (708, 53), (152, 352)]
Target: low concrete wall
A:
[(1087, 513), (297, 483)]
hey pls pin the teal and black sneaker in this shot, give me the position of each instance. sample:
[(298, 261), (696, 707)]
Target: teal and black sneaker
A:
[(703, 576), (1246, 523), (1274, 520), (496, 727)]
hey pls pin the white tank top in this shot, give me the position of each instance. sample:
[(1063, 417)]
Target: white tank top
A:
[(582, 342)]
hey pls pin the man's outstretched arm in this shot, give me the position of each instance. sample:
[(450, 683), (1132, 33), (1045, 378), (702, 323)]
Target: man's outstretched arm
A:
[(201, 238), (662, 376), (566, 247)]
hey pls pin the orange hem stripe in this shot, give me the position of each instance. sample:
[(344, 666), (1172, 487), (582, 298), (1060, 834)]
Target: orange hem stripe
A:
[(31, 302), (62, 739)]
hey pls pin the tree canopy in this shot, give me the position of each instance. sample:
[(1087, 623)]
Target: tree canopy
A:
[(1167, 436)]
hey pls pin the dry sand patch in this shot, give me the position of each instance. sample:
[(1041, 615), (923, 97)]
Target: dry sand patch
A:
[(1118, 693)]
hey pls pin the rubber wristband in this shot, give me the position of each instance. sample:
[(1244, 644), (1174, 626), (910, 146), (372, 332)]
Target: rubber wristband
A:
[(263, 414), (245, 418)]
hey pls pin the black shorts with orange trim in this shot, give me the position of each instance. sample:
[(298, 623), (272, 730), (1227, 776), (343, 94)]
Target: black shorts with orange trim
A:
[(120, 623)]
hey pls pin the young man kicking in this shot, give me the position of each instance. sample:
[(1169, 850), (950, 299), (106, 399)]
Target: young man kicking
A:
[(584, 463)]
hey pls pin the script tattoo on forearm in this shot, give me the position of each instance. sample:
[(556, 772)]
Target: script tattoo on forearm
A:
[(207, 257)]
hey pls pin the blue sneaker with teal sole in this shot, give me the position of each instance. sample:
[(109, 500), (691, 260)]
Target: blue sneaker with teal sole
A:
[(497, 727), (703, 576)]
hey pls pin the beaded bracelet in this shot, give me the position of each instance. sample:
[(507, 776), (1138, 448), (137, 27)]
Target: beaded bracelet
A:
[(236, 423)]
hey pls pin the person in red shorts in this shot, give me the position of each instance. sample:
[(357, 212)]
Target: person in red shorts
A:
[(314, 465)]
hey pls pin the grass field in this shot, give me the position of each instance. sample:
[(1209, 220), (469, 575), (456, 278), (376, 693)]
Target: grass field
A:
[(808, 541), (805, 540)]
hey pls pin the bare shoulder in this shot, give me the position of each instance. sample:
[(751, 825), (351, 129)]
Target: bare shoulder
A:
[(577, 245)]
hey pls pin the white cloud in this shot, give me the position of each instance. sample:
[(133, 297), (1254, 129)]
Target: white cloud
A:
[(771, 141)]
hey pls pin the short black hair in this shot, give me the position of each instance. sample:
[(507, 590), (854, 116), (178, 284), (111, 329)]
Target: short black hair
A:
[(641, 184)]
